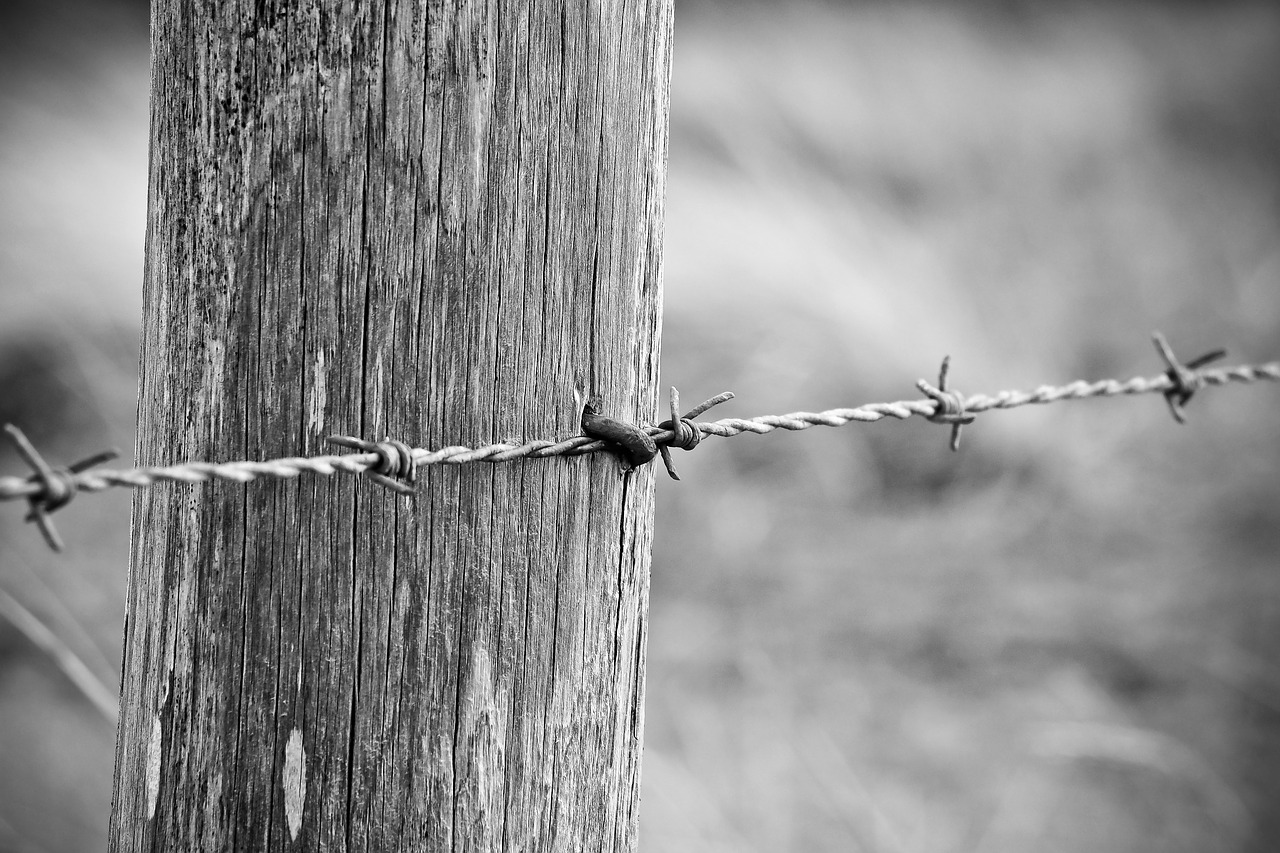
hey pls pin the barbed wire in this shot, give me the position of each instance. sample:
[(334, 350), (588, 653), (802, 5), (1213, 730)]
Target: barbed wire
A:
[(50, 488)]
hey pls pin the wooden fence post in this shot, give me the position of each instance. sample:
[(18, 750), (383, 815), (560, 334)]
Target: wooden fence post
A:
[(434, 221)]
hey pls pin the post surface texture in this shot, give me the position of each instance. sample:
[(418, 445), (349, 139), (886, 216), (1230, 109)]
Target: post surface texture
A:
[(434, 222)]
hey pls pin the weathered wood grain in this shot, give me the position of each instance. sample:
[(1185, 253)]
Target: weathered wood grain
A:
[(439, 222)]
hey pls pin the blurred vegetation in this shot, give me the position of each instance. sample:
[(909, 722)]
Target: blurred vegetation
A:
[(1063, 638)]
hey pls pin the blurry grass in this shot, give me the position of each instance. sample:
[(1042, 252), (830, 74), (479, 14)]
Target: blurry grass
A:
[(1062, 638), (73, 131)]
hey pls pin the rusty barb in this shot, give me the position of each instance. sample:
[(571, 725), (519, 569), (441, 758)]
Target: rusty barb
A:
[(394, 464), (58, 485)]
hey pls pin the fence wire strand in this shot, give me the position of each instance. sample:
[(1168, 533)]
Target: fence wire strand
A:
[(96, 480)]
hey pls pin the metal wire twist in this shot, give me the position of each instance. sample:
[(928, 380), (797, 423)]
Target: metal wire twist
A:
[(1184, 379), (684, 432), (53, 487), (950, 407), (395, 459), (49, 488)]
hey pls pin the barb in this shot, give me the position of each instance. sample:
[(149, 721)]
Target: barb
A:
[(669, 433), (684, 432), (1185, 382), (395, 458), (54, 487), (950, 409)]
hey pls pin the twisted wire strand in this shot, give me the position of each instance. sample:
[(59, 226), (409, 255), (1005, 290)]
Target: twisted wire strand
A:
[(96, 480)]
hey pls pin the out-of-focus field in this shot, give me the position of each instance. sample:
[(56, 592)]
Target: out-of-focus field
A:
[(1063, 638)]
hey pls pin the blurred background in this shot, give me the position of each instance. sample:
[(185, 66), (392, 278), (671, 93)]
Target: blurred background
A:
[(1062, 638)]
